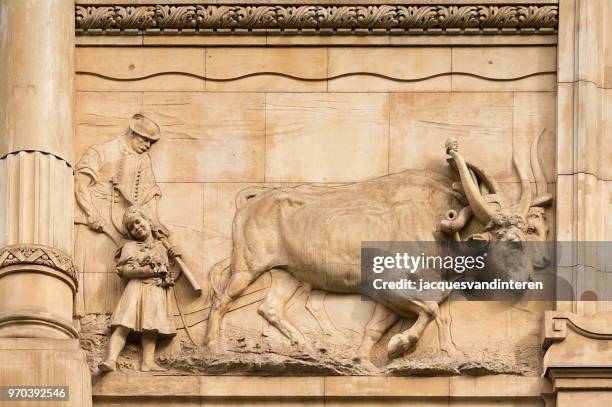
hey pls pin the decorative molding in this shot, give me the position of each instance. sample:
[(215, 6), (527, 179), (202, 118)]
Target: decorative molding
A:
[(379, 19), (22, 322), (322, 79), (557, 324), (31, 254)]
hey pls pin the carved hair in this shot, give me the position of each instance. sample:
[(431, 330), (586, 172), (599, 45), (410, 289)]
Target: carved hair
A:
[(501, 220), (132, 212)]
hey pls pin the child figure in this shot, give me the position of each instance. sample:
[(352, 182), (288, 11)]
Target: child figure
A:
[(144, 305)]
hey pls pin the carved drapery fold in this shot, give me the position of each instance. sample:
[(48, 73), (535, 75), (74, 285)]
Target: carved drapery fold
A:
[(317, 19)]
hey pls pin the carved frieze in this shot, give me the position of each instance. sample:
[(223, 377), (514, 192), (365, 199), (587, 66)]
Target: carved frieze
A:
[(317, 19), (303, 242), (38, 255)]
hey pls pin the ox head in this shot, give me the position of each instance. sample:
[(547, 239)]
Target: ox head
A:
[(508, 225)]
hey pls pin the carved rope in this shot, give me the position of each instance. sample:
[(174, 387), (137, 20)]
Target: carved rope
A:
[(315, 19), (38, 255)]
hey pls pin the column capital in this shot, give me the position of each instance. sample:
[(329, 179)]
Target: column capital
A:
[(15, 256)]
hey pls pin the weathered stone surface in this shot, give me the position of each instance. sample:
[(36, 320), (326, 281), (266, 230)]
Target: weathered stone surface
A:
[(101, 116), (421, 122), (98, 69), (533, 113), (323, 137), (391, 66), (538, 63), (208, 137), (277, 69)]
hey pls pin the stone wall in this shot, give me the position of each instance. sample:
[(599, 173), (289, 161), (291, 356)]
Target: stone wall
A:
[(261, 143), (290, 133), (234, 117)]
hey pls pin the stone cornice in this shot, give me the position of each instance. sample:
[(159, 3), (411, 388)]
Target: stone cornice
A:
[(374, 19)]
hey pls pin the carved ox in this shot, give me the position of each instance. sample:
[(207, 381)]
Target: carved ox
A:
[(311, 236)]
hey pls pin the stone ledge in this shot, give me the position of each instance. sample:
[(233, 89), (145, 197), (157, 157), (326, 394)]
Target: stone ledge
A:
[(556, 324), (68, 345), (152, 385), (270, 40)]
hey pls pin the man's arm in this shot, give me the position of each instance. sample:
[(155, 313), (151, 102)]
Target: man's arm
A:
[(158, 227), (83, 197)]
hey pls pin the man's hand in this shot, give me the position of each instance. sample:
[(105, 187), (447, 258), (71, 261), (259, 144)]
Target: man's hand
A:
[(95, 222)]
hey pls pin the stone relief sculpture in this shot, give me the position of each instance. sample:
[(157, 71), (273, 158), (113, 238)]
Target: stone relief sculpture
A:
[(109, 178), (308, 237), (117, 195), (144, 306), (311, 236)]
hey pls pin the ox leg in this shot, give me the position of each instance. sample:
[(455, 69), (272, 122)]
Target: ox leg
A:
[(281, 290), (382, 319), (315, 305), (237, 284), (405, 341), (444, 330)]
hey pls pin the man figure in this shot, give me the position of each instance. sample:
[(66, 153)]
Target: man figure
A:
[(109, 178)]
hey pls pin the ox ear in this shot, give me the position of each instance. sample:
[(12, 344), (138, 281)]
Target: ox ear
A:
[(542, 200), (479, 237), (479, 240)]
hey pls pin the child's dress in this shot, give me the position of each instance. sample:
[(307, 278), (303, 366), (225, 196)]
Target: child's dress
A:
[(144, 305)]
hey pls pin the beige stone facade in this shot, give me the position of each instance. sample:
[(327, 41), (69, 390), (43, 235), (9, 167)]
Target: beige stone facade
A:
[(272, 133)]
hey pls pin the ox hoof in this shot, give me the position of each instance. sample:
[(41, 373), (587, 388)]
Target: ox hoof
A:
[(400, 344), (305, 347), (109, 365)]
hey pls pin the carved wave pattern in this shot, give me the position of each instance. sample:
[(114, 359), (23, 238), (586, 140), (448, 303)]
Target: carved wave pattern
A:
[(329, 78), (400, 19)]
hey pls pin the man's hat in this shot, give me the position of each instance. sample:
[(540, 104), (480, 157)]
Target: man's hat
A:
[(145, 127)]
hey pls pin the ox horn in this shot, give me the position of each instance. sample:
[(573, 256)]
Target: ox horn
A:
[(525, 202), (488, 181), (477, 203), (486, 178), (543, 197)]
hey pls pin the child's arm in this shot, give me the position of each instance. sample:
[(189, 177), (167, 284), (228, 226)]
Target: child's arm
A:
[(128, 267)]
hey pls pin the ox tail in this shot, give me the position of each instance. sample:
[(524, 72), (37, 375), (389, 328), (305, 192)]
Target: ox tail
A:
[(219, 275), (249, 193)]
